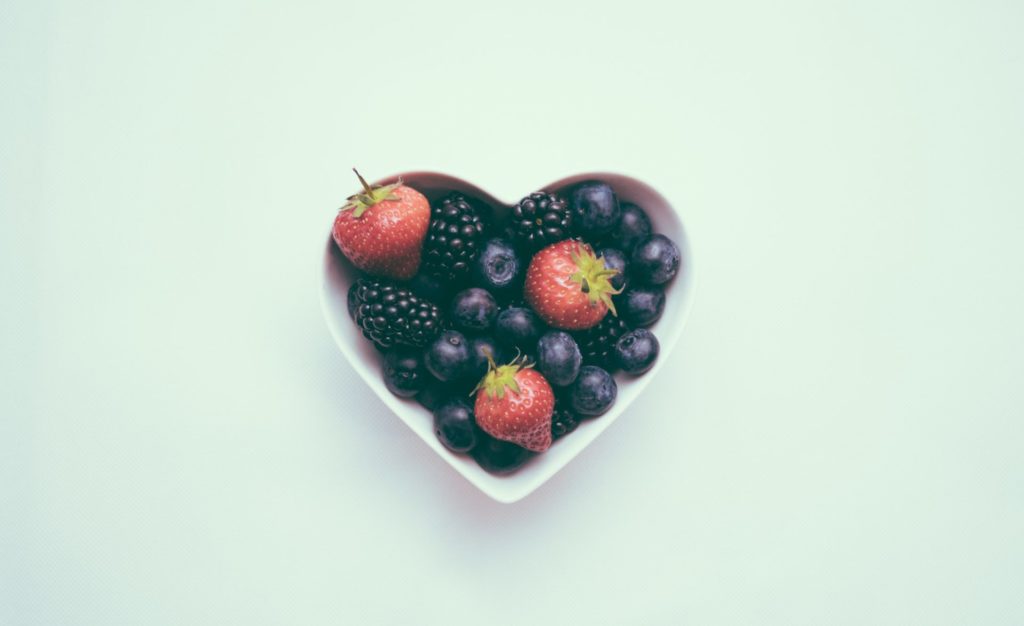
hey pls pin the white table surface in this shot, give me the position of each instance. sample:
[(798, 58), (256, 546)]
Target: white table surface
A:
[(837, 439)]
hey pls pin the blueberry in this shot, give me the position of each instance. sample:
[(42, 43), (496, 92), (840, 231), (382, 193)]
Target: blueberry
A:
[(455, 425), (594, 391), (633, 227), (498, 267), (636, 351), (594, 207), (655, 260), (404, 374), (615, 259), (479, 348), (429, 287), (433, 394), (558, 358), (641, 306), (448, 357), (518, 327), (474, 310), (497, 456)]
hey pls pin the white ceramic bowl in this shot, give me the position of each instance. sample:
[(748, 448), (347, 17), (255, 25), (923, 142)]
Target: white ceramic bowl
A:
[(338, 275)]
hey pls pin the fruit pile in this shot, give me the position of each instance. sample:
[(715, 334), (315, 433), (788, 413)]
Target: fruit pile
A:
[(508, 330)]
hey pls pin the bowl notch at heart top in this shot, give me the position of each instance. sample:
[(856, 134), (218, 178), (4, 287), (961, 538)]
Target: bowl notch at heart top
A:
[(338, 275)]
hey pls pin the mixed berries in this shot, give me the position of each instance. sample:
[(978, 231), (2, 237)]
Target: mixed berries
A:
[(507, 330)]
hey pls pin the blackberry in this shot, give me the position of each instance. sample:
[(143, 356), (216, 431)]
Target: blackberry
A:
[(541, 219), (390, 314), (597, 344), (563, 421), (453, 238)]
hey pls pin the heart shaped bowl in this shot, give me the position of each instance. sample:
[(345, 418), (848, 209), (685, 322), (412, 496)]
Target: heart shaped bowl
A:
[(339, 274)]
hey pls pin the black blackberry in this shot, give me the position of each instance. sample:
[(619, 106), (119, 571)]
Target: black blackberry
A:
[(390, 314), (453, 239), (540, 219), (563, 421), (597, 344)]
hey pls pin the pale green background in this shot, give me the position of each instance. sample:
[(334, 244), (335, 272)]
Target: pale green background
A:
[(837, 439)]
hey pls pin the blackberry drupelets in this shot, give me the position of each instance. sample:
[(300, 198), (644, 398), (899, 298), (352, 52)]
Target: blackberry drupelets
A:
[(453, 238), (390, 314), (540, 219), (597, 343), (564, 420)]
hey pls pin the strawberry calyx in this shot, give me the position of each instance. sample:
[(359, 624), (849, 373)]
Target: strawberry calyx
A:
[(501, 377), (593, 277), (360, 202)]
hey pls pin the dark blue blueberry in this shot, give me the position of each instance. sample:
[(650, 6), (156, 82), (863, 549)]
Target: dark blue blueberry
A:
[(430, 287), (594, 391), (518, 327), (615, 259), (498, 267), (641, 306), (434, 394), (636, 351), (455, 425), (558, 357), (595, 209), (633, 227), (448, 358), (474, 310), (655, 260), (480, 347), (497, 456), (404, 374)]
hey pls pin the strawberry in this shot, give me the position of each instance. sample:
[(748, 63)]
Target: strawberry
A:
[(569, 287), (381, 230), (514, 403)]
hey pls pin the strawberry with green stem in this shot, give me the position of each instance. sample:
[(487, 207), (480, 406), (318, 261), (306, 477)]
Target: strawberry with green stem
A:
[(514, 403), (381, 229), (569, 286)]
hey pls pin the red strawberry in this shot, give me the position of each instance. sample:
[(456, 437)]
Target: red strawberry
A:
[(568, 286), (514, 403), (381, 230)]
